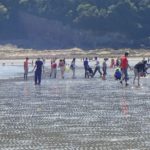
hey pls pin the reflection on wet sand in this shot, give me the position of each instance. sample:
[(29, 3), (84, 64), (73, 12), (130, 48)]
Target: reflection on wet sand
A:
[(26, 89), (124, 106)]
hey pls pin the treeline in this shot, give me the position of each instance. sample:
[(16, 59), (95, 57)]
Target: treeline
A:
[(128, 17)]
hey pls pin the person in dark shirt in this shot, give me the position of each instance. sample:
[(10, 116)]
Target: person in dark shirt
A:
[(86, 65), (139, 69), (38, 71), (73, 67)]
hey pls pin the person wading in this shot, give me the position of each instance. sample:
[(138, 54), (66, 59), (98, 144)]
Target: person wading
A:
[(139, 70), (86, 65), (26, 68), (62, 67), (73, 67), (97, 68), (124, 68), (38, 71)]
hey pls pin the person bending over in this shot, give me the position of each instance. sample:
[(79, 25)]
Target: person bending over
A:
[(139, 70)]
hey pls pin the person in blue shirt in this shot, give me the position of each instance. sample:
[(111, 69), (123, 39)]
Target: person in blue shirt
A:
[(38, 71), (117, 74)]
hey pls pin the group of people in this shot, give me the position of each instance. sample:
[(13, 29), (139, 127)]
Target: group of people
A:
[(90, 73), (38, 67), (121, 66), (140, 69), (63, 67)]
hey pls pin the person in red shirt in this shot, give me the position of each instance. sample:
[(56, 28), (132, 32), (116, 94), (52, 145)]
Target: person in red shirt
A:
[(26, 68), (124, 68), (53, 69)]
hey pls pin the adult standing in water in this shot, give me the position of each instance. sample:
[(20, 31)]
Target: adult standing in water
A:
[(38, 71), (124, 68), (53, 69), (104, 68), (97, 68), (73, 67), (86, 65), (62, 67), (26, 68)]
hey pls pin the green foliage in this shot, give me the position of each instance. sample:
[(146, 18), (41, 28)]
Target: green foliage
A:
[(130, 17), (3, 12)]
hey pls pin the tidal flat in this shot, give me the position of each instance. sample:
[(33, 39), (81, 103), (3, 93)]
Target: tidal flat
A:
[(74, 114)]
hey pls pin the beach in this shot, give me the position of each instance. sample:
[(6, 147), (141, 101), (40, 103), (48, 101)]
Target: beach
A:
[(73, 114)]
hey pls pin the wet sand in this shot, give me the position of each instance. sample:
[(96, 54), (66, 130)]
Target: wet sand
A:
[(79, 114)]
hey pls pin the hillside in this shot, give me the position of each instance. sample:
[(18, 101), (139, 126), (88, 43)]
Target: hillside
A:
[(53, 24)]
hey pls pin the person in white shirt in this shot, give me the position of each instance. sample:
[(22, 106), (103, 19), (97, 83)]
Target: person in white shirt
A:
[(97, 68)]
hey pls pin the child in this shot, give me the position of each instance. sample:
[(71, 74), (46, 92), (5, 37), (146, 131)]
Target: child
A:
[(89, 72), (117, 74), (117, 62), (112, 65)]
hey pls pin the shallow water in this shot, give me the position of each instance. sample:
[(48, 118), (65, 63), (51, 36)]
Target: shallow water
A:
[(79, 114), (14, 68)]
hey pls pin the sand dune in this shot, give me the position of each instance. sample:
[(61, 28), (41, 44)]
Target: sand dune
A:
[(12, 52)]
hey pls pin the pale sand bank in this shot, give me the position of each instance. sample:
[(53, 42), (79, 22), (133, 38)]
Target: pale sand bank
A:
[(9, 52)]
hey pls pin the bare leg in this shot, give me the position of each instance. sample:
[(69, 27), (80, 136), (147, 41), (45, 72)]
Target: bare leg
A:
[(134, 79), (51, 73), (62, 74), (122, 77), (73, 75), (138, 79)]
